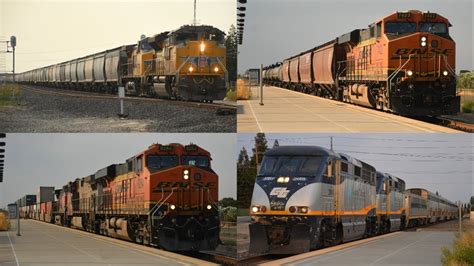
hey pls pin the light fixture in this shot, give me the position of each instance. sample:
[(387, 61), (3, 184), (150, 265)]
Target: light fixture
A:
[(255, 209), (445, 73), (202, 47), (209, 206), (409, 73), (172, 207), (216, 69), (191, 69)]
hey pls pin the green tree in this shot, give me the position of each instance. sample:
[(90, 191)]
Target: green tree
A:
[(228, 202), (231, 46), (247, 170)]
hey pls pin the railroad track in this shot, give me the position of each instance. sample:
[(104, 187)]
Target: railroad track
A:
[(452, 122), (220, 108)]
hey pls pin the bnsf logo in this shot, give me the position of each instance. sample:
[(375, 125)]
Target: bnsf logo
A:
[(421, 51), (179, 184)]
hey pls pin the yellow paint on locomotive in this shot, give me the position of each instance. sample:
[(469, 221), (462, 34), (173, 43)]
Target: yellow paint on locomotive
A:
[(210, 50)]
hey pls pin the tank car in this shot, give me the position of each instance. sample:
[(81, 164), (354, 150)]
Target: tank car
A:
[(188, 64), (307, 197), (403, 63)]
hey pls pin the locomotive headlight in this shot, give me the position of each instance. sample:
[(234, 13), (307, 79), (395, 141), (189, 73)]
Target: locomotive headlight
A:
[(287, 179), (172, 207), (202, 47), (423, 44), (281, 179), (209, 206), (409, 73), (186, 172), (445, 73), (303, 209), (255, 209), (191, 69), (216, 69), (423, 39), (186, 177)]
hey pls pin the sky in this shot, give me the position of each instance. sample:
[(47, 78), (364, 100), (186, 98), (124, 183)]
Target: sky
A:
[(277, 29), (33, 160), (437, 162), (55, 31)]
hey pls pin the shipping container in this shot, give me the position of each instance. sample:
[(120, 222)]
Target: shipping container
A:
[(45, 194)]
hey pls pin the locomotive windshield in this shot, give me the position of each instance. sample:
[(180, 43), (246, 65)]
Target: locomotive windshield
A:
[(199, 161), (400, 27), (160, 162), (434, 27), (290, 166)]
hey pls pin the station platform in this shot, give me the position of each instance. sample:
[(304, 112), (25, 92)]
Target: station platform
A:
[(286, 111), (47, 244)]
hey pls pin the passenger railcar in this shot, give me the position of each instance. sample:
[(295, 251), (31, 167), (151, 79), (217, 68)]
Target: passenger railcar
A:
[(306, 197), (188, 64), (165, 196), (403, 63)]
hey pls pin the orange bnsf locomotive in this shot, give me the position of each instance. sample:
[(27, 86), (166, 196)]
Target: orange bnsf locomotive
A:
[(165, 196), (403, 63), (188, 64)]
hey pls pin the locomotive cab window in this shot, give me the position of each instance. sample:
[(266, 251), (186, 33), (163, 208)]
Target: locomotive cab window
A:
[(160, 162), (438, 28), (300, 166), (399, 28), (330, 169), (344, 167), (199, 161), (357, 171)]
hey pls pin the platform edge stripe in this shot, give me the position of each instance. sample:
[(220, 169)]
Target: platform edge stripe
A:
[(310, 254)]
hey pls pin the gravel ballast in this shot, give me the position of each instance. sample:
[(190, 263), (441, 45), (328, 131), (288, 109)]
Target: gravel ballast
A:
[(39, 112)]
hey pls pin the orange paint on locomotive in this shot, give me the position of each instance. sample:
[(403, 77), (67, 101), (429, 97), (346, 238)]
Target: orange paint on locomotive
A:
[(378, 56)]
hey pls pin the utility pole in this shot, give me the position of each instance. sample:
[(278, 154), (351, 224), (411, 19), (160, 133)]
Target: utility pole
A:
[(460, 218), (261, 84), (18, 219), (194, 13)]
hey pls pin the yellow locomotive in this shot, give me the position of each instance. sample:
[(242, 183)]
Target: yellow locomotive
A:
[(188, 64)]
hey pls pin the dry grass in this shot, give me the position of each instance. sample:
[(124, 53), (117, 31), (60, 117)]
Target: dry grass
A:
[(462, 252), (9, 94), (243, 90)]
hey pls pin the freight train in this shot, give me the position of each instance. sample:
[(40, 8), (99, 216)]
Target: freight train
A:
[(403, 63), (188, 64), (308, 197), (165, 196)]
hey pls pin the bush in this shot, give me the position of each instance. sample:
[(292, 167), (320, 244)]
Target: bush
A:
[(468, 107), (228, 214), (462, 252)]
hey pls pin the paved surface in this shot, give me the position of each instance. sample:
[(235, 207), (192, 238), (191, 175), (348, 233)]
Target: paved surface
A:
[(243, 239), (46, 244), (289, 111), (401, 248)]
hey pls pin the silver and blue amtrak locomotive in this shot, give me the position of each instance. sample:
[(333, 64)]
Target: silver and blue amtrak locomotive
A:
[(308, 197)]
